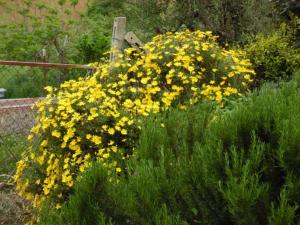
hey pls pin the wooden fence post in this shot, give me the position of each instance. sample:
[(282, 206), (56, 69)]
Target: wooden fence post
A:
[(134, 41), (118, 37), (44, 55)]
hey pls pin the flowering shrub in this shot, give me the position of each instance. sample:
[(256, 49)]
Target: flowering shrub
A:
[(98, 117), (275, 56)]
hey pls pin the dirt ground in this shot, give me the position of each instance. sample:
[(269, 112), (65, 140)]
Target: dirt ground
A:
[(13, 209)]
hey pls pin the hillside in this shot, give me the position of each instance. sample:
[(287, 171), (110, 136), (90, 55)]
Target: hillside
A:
[(10, 10)]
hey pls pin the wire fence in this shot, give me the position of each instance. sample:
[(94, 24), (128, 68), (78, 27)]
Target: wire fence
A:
[(17, 116), (28, 79), (21, 87)]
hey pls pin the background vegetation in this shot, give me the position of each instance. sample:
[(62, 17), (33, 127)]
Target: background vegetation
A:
[(79, 31)]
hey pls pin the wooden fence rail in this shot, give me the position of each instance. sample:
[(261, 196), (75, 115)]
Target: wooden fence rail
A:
[(45, 65)]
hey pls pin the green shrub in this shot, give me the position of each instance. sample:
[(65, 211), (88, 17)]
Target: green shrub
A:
[(274, 56), (200, 166), (90, 46)]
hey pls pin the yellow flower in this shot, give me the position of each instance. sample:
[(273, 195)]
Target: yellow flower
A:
[(56, 134), (219, 98), (96, 139), (183, 107), (106, 155), (88, 136), (46, 190), (124, 132), (199, 58), (111, 131), (44, 143), (49, 89), (144, 80), (30, 137), (247, 77), (114, 148)]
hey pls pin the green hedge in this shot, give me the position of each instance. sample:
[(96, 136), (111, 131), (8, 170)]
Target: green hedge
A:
[(201, 166)]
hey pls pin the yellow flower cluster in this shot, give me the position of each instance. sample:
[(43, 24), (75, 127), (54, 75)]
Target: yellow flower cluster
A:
[(96, 118), (75, 124)]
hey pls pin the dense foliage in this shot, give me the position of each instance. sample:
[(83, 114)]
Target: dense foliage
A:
[(288, 7), (99, 117), (276, 55), (84, 37), (230, 19), (200, 166)]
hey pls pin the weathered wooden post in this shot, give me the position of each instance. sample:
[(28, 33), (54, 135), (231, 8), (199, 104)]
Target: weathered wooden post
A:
[(133, 41), (44, 55), (118, 37)]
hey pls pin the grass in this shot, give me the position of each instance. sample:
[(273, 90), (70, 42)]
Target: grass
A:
[(10, 152)]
